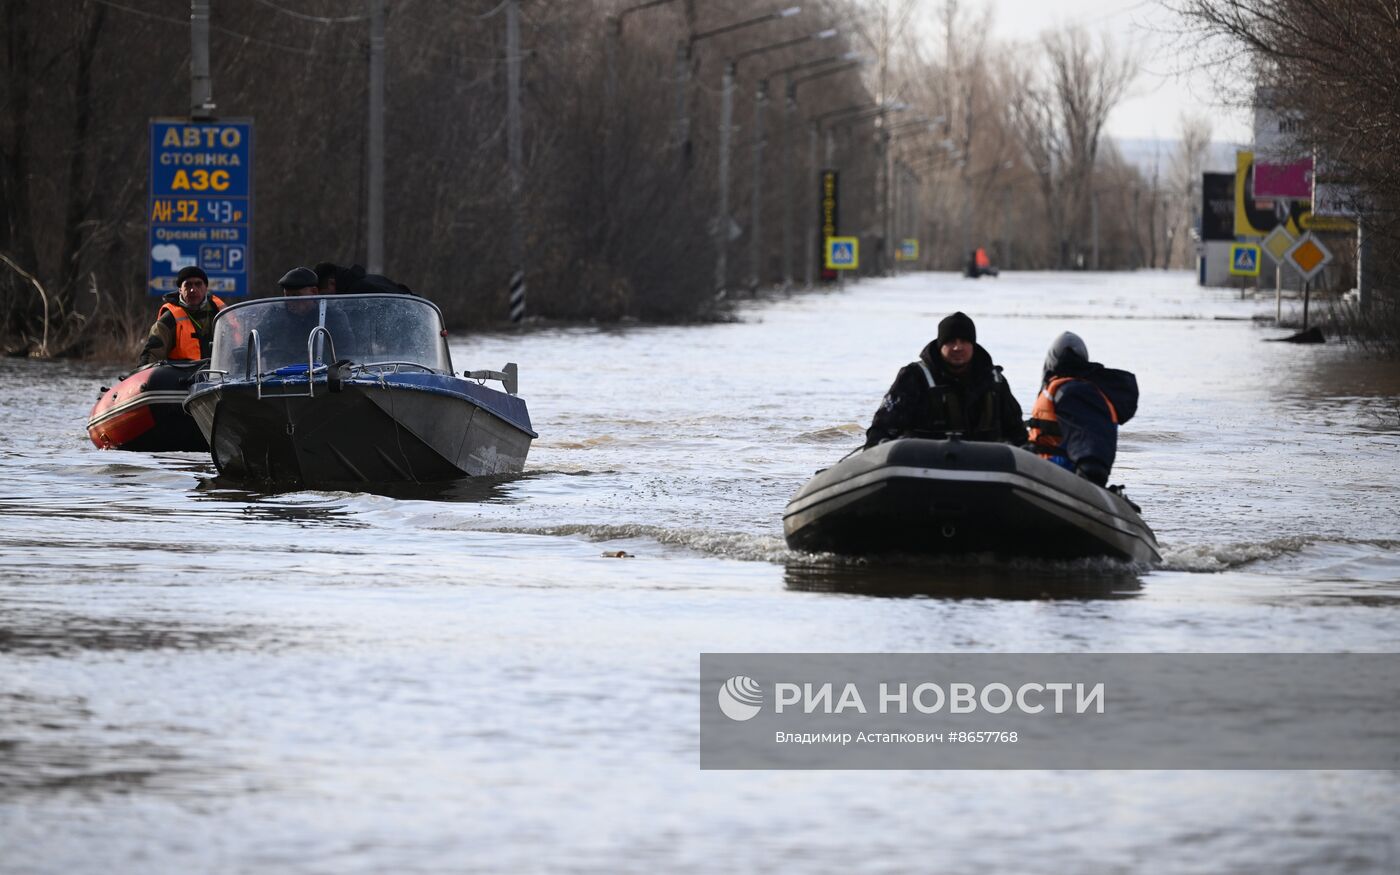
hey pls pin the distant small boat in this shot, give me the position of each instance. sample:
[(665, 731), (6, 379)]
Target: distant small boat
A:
[(916, 496), (144, 412), (351, 389), (980, 265)]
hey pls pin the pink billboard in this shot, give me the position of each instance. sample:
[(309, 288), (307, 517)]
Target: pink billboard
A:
[(1292, 180)]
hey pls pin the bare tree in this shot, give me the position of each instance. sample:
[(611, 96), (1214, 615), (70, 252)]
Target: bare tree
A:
[(1087, 83), (1188, 163)]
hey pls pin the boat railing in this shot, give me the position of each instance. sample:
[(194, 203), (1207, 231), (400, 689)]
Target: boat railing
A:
[(311, 356), (393, 367), (252, 355)]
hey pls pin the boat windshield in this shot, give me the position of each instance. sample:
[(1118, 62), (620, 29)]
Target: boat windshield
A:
[(366, 329)]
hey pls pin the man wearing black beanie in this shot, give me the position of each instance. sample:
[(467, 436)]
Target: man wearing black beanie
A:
[(952, 388)]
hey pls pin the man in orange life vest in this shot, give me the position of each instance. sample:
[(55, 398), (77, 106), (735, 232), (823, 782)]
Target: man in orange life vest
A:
[(183, 329), (953, 387), (1074, 421)]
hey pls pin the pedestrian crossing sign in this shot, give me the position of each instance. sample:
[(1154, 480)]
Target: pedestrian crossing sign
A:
[(842, 253), (1244, 259)]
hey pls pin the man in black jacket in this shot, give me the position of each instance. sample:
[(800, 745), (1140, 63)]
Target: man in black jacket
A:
[(952, 388)]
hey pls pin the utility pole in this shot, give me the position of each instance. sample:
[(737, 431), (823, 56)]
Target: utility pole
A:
[(375, 260), (789, 104), (726, 111), (1094, 220), (1363, 271), (684, 51), (756, 204), (813, 133), (1006, 228), (852, 60), (201, 85), (517, 162), (886, 192), (610, 49)]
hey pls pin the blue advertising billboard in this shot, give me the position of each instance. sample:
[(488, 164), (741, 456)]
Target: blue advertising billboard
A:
[(201, 207)]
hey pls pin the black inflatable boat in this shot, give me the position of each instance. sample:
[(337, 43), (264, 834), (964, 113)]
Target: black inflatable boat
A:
[(928, 496)]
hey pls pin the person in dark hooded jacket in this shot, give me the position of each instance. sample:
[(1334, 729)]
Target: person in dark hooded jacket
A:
[(952, 388), (1074, 421), (333, 279)]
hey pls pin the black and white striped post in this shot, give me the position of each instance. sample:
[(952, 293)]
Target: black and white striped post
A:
[(517, 296)]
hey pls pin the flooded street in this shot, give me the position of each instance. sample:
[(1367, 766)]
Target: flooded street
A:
[(195, 678)]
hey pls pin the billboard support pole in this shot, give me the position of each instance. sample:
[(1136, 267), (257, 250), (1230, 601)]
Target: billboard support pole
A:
[(1363, 276), (201, 85)]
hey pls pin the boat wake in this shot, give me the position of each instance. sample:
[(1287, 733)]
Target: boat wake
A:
[(727, 545), (832, 434), (1207, 558)]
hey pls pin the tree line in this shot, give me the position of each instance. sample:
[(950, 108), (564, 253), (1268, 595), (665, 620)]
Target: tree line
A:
[(950, 139)]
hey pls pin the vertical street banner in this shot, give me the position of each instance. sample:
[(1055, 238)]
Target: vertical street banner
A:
[(201, 204), (830, 199)]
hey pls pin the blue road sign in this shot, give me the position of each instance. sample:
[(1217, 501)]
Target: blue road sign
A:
[(201, 207), (1244, 259), (842, 253)]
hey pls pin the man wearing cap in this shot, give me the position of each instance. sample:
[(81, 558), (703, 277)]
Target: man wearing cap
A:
[(182, 331), (303, 316), (952, 388)]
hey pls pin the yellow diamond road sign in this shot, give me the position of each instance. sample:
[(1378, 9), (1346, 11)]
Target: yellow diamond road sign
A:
[(1309, 256), (1278, 242)]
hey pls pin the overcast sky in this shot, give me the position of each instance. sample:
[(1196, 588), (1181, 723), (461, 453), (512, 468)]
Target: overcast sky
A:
[(1170, 82)]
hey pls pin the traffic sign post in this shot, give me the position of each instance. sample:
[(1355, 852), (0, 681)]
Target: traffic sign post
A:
[(201, 205), (1244, 259), (1277, 245), (842, 253), (1308, 256)]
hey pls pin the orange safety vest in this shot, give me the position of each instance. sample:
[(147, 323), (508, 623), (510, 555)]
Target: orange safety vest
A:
[(1045, 426), (186, 345)]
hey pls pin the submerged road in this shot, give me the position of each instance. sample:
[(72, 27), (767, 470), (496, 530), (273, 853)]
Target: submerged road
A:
[(198, 678)]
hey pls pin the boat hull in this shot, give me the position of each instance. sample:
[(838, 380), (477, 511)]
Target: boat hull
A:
[(371, 431), (945, 497), (144, 412)]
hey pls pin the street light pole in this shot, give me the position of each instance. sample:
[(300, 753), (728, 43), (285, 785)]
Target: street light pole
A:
[(722, 220), (789, 107), (889, 194), (726, 108), (614, 37), (756, 199), (858, 112), (375, 259), (685, 51), (760, 103)]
